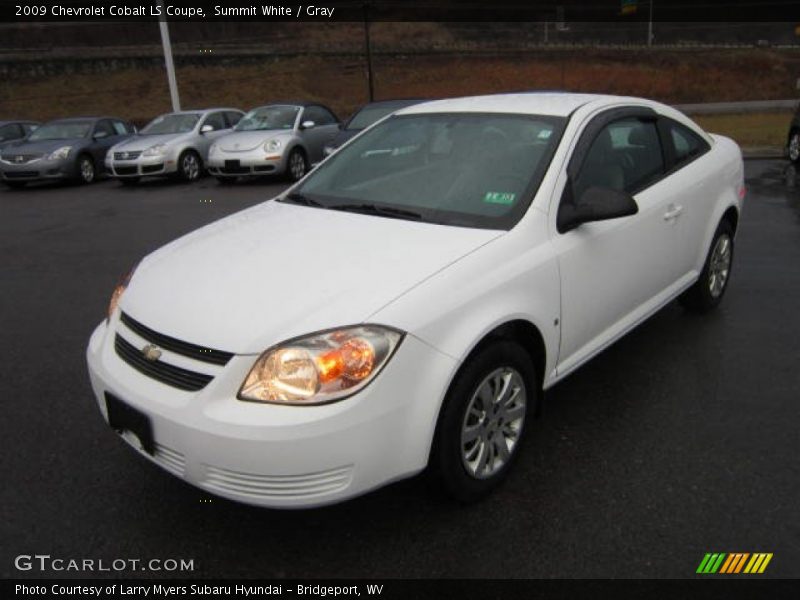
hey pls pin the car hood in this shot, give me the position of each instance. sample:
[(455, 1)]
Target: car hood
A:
[(277, 271), (43, 146), (240, 141), (143, 142)]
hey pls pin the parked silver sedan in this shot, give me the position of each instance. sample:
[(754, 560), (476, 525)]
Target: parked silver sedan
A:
[(278, 138), (173, 144)]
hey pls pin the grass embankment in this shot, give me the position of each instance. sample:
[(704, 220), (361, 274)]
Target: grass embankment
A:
[(753, 130)]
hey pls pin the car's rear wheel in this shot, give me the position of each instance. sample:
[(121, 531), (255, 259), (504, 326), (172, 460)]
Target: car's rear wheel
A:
[(483, 420), (190, 166), (297, 165), (794, 146), (227, 180), (15, 185), (708, 290), (86, 170), (129, 180)]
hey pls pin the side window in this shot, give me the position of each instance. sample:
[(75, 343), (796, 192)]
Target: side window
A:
[(325, 116), (319, 115), (686, 144), (105, 127), (625, 155), (11, 131), (216, 120), (120, 128), (232, 117)]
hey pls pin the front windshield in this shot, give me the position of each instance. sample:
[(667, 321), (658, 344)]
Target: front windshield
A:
[(467, 169), (268, 117), (369, 115), (171, 123), (61, 130)]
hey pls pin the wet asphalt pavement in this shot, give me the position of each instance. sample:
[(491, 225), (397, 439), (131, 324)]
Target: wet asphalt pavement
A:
[(681, 439)]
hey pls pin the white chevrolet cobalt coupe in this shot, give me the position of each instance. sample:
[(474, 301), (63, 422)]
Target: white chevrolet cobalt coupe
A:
[(404, 305)]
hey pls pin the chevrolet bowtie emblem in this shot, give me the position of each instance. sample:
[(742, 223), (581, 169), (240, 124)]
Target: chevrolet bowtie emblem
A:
[(20, 158), (151, 352)]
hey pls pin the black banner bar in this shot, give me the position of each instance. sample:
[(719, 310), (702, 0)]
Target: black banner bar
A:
[(722, 588), (396, 10)]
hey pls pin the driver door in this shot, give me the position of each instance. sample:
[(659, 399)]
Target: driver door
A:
[(614, 272)]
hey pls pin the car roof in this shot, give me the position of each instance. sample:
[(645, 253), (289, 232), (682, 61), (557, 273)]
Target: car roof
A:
[(7, 121), (554, 104), (192, 111), (69, 119), (395, 102)]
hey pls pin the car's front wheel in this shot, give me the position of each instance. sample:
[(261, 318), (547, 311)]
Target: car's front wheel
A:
[(483, 420), (86, 170), (708, 290), (794, 146), (297, 165), (190, 166)]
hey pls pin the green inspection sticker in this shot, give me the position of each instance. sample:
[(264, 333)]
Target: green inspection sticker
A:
[(505, 198)]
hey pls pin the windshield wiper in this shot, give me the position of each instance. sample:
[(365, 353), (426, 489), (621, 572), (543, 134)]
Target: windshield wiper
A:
[(298, 198), (381, 211)]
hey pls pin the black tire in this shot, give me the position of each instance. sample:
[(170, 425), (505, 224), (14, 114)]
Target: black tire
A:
[(129, 180), (227, 180), (793, 146), (449, 466), (296, 165), (710, 287), (190, 166), (15, 185), (87, 172)]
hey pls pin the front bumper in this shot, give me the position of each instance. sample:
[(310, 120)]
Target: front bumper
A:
[(282, 456), (244, 164), (143, 166), (39, 169)]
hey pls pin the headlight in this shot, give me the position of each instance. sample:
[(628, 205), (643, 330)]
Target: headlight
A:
[(156, 150), (272, 145), (321, 367), (117, 293), (60, 154)]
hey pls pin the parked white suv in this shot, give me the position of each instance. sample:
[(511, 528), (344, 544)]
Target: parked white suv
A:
[(405, 304)]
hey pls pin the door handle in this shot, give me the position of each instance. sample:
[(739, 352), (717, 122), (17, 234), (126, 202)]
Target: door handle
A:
[(673, 212)]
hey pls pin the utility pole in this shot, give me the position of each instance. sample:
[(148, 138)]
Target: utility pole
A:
[(368, 51), (650, 27), (167, 45)]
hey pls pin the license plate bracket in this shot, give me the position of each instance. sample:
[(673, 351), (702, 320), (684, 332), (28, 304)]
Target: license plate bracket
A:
[(123, 417)]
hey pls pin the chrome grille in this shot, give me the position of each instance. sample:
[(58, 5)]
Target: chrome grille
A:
[(132, 155)]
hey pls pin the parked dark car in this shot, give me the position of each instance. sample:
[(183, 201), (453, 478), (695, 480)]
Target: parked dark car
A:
[(11, 131), (66, 149), (366, 116), (793, 139)]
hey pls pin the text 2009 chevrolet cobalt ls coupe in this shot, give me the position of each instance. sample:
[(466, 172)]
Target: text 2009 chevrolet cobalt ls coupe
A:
[(404, 305)]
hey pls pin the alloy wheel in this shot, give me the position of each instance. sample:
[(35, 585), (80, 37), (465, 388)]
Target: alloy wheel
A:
[(87, 170), (720, 265), (493, 423)]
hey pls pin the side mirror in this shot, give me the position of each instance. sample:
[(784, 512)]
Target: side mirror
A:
[(206, 128), (100, 135), (595, 204), (307, 124)]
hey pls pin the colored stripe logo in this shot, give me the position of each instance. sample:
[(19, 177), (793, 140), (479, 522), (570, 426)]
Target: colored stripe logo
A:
[(734, 563)]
